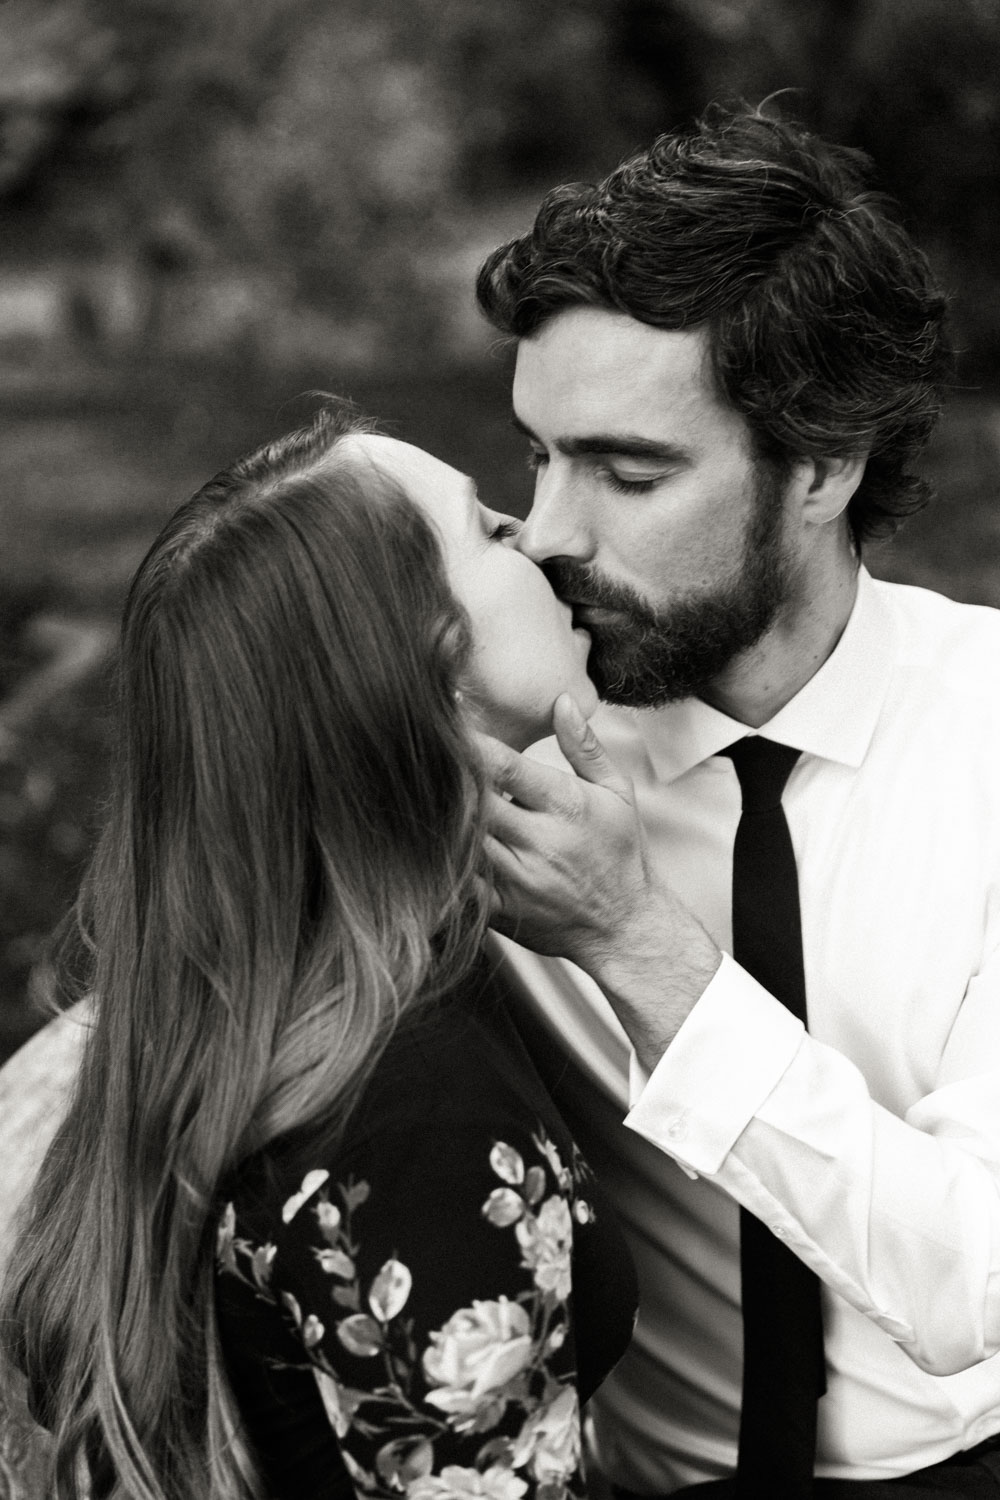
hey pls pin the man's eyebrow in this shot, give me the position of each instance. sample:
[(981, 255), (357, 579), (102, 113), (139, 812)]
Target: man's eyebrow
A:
[(620, 444)]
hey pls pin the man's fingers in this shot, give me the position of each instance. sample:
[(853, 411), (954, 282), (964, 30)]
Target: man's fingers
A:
[(529, 783), (514, 826), (504, 870), (487, 892), (506, 866), (584, 751)]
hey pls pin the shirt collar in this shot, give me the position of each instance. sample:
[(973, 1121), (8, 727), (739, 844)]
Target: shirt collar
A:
[(833, 716)]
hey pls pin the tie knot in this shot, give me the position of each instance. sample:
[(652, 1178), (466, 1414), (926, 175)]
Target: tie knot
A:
[(763, 767)]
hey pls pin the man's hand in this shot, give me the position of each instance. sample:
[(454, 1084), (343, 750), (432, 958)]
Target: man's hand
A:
[(573, 878)]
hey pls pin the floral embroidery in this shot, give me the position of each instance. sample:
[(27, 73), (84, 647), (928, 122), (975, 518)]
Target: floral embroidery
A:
[(484, 1374)]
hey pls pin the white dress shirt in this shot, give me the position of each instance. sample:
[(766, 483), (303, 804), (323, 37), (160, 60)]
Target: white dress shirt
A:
[(872, 1143)]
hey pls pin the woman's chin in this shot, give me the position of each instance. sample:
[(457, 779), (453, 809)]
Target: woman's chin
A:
[(523, 729), (588, 700)]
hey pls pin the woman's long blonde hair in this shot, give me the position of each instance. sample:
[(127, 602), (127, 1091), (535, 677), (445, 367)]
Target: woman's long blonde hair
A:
[(288, 864)]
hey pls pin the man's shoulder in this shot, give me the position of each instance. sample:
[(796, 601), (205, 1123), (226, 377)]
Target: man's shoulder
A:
[(937, 633)]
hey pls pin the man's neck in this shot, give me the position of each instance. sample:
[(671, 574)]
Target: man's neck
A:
[(759, 683)]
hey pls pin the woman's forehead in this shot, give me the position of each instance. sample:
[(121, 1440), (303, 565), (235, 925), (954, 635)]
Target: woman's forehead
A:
[(405, 461), (447, 496)]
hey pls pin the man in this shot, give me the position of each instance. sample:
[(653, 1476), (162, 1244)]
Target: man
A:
[(729, 355)]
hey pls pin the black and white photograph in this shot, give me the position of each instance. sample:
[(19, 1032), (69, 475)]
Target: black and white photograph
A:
[(500, 749)]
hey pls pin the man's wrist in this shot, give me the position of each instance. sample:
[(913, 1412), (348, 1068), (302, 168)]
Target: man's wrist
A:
[(655, 973)]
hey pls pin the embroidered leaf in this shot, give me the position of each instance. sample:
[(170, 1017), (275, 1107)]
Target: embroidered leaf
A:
[(403, 1460), (549, 1441), (293, 1307), (310, 1182), (260, 1264), (363, 1479), (329, 1217), (354, 1194), (336, 1263), (534, 1184), (486, 1418), (507, 1163), (503, 1207), (556, 1339), (389, 1291), (369, 1430), (337, 1409), (224, 1239), (499, 1449), (360, 1335), (312, 1331)]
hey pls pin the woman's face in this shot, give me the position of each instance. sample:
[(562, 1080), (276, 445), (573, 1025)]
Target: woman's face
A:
[(525, 650)]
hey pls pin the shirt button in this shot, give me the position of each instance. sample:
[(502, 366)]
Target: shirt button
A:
[(780, 1232), (675, 1130)]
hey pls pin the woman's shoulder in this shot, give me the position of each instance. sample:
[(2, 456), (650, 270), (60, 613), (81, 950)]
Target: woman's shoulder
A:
[(453, 1224), (459, 1054), (454, 1074)]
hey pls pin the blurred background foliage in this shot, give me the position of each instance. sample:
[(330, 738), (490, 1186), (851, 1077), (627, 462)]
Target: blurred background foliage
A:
[(208, 207)]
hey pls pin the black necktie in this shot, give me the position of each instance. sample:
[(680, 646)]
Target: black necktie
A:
[(783, 1367)]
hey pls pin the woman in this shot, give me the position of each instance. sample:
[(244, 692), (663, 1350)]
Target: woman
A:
[(302, 1103)]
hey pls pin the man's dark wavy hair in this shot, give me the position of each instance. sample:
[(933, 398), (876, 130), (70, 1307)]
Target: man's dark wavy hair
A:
[(824, 320)]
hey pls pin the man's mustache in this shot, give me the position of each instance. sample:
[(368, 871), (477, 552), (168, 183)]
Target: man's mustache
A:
[(578, 584)]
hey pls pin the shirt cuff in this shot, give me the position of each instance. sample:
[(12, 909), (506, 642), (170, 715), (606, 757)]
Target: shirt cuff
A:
[(725, 1060)]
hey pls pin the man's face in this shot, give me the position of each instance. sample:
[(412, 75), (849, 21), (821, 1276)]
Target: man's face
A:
[(651, 515)]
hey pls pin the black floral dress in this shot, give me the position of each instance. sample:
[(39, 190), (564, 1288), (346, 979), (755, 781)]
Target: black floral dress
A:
[(422, 1309)]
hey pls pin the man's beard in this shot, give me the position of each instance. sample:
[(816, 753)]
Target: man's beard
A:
[(651, 657)]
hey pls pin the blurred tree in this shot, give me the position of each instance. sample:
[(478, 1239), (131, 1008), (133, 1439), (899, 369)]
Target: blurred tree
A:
[(259, 166), (916, 83), (57, 73), (534, 88)]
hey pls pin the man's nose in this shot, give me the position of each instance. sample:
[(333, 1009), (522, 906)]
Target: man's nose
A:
[(555, 526)]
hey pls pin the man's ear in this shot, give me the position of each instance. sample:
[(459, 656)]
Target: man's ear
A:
[(827, 485)]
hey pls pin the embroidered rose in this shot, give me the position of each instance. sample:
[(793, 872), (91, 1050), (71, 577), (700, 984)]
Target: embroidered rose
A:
[(546, 1240), (478, 1350), (486, 1367), (455, 1483), (549, 1441)]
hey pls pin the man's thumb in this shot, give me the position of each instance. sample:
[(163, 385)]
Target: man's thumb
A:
[(584, 751)]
